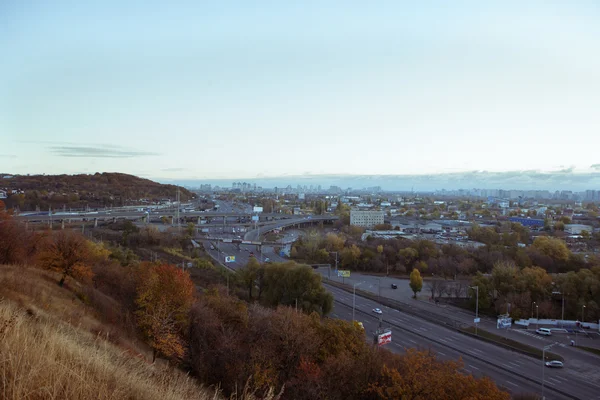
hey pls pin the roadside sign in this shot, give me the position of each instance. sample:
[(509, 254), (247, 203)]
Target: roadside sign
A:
[(189, 265), (257, 209), (477, 320), (384, 338), (255, 218), (229, 259), (343, 273)]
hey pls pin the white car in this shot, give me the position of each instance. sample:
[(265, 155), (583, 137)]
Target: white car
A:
[(554, 364), (377, 311)]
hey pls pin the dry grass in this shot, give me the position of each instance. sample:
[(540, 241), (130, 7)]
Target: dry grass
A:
[(53, 347), (41, 358), (48, 350)]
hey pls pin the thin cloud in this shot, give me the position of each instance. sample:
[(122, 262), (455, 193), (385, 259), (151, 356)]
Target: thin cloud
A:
[(7, 156), (595, 166), (173, 169), (98, 151)]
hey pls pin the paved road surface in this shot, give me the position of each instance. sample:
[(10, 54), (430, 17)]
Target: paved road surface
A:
[(516, 372), (481, 357)]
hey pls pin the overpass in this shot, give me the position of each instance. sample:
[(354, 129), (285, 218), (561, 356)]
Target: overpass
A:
[(139, 215), (290, 223)]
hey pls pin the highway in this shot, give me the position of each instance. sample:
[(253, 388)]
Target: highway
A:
[(578, 359), (514, 371), (403, 339)]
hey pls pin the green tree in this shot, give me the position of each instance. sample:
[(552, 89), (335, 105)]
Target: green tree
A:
[(504, 276), (248, 275), (485, 291), (294, 284)]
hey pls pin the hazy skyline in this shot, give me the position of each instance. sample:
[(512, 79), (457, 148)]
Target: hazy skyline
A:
[(183, 90)]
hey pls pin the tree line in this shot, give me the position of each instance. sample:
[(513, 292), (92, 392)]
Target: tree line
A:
[(400, 256)]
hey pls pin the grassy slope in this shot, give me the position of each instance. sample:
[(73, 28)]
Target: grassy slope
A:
[(48, 349)]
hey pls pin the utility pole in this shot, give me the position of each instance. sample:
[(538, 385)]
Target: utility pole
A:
[(354, 299), (544, 365), (476, 306), (177, 211), (537, 317)]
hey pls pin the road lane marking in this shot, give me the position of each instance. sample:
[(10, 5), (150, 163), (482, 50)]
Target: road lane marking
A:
[(508, 366), (442, 340), (474, 367), (412, 341), (554, 379), (439, 352), (513, 384)]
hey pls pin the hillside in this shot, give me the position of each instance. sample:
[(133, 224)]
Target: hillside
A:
[(27, 192), (53, 347)]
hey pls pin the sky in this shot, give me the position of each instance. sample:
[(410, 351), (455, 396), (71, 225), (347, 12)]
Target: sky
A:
[(173, 90)]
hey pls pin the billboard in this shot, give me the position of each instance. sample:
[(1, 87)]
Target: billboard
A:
[(343, 273), (229, 259), (503, 322), (384, 338), (257, 209)]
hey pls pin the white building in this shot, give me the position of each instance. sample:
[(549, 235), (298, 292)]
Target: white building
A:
[(576, 229), (3, 194), (367, 219)]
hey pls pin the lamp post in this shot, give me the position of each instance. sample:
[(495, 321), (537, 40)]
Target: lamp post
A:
[(537, 317), (476, 306), (544, 365), (532, 304), (336, 262), (354, 299), (582, 314)]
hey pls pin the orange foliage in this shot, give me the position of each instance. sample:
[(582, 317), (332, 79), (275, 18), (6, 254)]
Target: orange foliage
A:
[(421, 376), (66, 252), (165, 296)]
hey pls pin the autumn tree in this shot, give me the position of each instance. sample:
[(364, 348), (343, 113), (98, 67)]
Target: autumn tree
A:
[(421, 376), (165, 296), (12, 238), (416, 282), (67, 253), (552, 247), (350, 256)]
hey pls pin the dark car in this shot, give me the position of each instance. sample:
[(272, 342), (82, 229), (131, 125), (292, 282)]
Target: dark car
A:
[(394, 286)]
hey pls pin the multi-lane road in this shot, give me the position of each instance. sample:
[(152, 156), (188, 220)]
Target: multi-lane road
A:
[(513, 371)]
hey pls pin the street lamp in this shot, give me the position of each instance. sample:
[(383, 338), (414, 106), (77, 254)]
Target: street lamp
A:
[(532, 304), (582, 315), (476, 306), (336, 262), (354, 299), (537, 317), (544, 365)]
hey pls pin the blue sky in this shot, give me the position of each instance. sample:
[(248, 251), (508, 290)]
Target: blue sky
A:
[(247, 89)]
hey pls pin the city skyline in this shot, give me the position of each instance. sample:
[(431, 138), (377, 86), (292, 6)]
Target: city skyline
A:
[(216, 91)]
